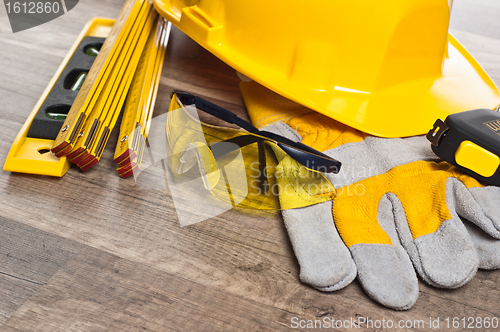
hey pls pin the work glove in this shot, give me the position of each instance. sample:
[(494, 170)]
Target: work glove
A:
[(397, 209)]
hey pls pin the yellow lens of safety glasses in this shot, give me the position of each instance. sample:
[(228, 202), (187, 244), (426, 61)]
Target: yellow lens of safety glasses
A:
[(240, 168)]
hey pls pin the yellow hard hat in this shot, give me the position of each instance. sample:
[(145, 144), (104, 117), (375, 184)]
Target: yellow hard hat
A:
[(387, 68)]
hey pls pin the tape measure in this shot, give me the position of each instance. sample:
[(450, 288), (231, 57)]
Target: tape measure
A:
[(30, 151), (470, 141), (138, 111), (92, 87)]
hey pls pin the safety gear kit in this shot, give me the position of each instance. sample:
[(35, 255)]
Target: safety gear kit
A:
[(395, 210)]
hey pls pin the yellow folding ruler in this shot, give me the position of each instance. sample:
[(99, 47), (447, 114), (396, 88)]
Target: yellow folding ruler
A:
[(98, 75), (109, 89), (30, 153), (93, 137), (140, 104)]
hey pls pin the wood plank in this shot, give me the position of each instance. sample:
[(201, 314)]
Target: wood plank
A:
[(114, 294), (28, 259), (13, 293)]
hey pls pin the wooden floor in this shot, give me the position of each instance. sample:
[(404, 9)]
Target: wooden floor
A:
[(93, 252)]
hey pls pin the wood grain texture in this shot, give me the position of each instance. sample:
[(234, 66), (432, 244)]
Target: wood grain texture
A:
[(94, 252)]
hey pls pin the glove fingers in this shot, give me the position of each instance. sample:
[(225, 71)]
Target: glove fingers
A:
[(444, 258), (487, 248), (480, 206), (385, 271), (448, 258), (342, 283), (324, 260)]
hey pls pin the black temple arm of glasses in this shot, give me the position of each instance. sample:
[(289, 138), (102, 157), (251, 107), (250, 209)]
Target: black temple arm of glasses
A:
[(221, 113), (219, 148), (334, 164), (217, 111)]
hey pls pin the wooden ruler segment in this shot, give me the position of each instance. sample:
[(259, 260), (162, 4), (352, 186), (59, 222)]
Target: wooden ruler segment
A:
[(158, 72), (146, 86), (136, 134), (135, 157), (89, 130), (113, 110), (135, 99), (133, 164), (99, 71)]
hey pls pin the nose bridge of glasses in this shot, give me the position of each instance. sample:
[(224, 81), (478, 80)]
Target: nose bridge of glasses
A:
[(220, 149)]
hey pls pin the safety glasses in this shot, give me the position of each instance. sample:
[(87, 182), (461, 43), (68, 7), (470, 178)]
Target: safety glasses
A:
[(245, 167)]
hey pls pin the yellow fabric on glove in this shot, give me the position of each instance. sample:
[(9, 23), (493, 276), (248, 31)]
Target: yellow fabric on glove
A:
[(421, 188), (317, 131)]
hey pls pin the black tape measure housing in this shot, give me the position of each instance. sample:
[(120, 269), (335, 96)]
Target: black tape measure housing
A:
[(470, 141)]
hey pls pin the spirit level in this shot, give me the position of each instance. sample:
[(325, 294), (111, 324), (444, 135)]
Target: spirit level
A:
[(30, 152)]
